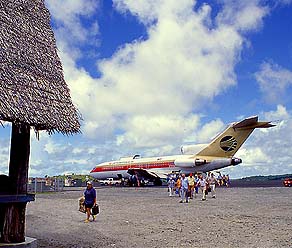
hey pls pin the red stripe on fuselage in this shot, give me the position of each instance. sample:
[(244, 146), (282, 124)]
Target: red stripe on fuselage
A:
[(151, 165)]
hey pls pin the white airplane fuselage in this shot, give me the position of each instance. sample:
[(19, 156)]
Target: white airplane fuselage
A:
[(159, 166)]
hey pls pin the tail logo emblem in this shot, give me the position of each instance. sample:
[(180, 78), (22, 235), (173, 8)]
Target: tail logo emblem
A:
[(228, 143)]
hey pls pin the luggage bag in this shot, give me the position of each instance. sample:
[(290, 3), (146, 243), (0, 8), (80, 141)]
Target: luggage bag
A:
[(95, 210)]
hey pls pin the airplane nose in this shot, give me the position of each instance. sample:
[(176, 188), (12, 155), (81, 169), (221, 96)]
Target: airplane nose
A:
[(236, 161)]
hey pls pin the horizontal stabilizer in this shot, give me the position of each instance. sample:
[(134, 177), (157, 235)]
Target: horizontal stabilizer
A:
[(246, 122), (251, 123)]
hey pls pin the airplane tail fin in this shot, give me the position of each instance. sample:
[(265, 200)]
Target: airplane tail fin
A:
[(227, 143)]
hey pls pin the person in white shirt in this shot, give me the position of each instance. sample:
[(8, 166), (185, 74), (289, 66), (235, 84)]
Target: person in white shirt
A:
[(212, 184), (203, 186), (171, 183)]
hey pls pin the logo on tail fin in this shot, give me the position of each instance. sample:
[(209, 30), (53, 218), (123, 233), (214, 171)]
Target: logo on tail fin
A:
[(228, 143)]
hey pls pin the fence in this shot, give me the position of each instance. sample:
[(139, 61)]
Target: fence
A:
[(38, 185)]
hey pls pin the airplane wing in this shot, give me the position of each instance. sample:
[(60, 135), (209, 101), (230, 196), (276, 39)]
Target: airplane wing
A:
[(147, 174)]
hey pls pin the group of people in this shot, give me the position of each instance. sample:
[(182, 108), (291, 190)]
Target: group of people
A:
[(223, 180), (188, 187)]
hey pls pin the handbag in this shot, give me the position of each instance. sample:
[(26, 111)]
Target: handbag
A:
[(95, 210), (81, 205)]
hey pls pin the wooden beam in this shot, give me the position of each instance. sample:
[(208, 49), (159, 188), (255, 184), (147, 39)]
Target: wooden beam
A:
[(17, 198), (13, 220), (19, 158)]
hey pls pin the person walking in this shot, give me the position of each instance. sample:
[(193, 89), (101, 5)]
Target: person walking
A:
[(184, 188), (191, 181), (90, 200), (178, 185), (219, 179), (227, 180), (196, 185), (208, 176), (203, 186), (171, 184), (212, 184)]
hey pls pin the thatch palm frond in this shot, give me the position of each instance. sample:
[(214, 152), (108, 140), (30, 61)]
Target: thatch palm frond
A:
[(32, 85)]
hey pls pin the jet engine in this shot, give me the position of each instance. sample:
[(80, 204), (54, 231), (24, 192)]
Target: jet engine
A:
[(189, 162), (236, 161)]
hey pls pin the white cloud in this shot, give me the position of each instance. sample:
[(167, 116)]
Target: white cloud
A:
[(283, 2), (210, 130), (274, 82), (280, 114), (243, 15), (144, 131), (52, 147), (151, 90), (161, 151), (5, 130), (253, 157), (183, 64), (146, 11), (77, 150), (67, 15), (53, 155)]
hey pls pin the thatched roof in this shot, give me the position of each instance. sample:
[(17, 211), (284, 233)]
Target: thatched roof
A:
[(32, 85)]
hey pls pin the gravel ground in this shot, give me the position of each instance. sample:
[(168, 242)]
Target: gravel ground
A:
[(147, 217)]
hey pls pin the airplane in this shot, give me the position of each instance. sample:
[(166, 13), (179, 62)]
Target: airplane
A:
[(216, 155)]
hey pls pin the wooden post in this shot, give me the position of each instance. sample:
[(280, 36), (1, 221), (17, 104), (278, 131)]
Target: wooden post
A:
[(13, 229)]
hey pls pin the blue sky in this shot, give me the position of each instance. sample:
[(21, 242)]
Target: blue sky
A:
[(150, 76)]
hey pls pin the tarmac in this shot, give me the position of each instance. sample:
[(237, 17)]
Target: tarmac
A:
[(148, 217), (28, 243)]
